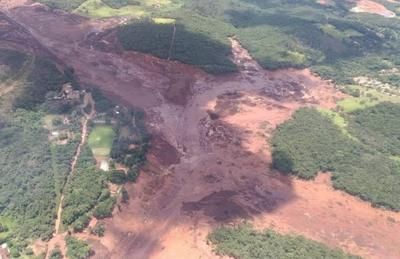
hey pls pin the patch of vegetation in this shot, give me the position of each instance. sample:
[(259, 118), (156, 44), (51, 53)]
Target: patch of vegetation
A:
[(77, 249), (159, 20), (160, 40), (11, 62), (311, 143), (105, 208), (336, 43), (33, 165), (124, 195), (337, 119), (56, 254), (133, 174), (130, 138), (135, 8), (43, 78), (68, 5), (116, 4), (98, 8), (103, 105), (28, 174), (81, 223), (99, 230), (361, 165), (378, 127), (364, 97), (82, 193), (101, 139), (131, 145), (245, 243), (118, 177)]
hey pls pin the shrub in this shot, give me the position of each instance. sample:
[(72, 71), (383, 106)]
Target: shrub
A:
[(56, 254), (99, 229), (133, 174), (81, 223), (124, 195), (118, 177)]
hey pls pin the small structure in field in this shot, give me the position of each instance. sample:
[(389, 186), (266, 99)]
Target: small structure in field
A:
[(105, 165)]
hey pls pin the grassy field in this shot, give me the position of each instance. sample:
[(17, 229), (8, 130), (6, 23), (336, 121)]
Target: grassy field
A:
[(101, 139), (368, 97), (10, 224), (337, 119), (97, 9), (103, 9)]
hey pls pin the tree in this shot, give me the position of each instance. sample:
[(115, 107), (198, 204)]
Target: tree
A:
[(133, 174), (77, 249), (118, 177), (104, 209), (56, 253), (99, 229), (124, 195)]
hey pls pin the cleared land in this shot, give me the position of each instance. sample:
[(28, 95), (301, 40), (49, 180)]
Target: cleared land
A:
[(101, 140)]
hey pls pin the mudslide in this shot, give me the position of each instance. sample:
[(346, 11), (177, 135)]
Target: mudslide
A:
[(210, 163)]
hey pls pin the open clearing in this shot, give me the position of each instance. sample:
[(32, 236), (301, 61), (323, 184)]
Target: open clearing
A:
[(220, 169), (369, 98), (97, 9), (101, 139)]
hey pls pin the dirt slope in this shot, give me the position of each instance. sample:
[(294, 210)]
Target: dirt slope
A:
[(211, 164), (368, 6)]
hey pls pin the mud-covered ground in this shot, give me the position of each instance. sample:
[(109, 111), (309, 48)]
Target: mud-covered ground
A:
[(210, 162)]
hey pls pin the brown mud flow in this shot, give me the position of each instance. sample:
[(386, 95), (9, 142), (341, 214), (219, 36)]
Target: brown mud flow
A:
[(210, 162)]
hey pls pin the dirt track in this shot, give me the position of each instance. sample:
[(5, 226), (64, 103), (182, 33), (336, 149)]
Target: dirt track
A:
[(58, 237), (217, 169)]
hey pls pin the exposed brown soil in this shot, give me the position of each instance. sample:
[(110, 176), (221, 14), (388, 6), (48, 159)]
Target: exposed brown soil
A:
[(368, 6), (210, 163), (365, 6)]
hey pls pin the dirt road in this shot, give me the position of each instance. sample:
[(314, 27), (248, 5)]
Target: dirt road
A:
[(58, 237), (210, 163)]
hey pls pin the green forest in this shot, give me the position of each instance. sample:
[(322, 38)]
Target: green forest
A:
[(39, 136), (363, 162), (335, 42), (245, 243), (33, 167)]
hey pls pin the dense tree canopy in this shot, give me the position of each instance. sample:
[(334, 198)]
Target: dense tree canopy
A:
[(361, 165), (245, 243)]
